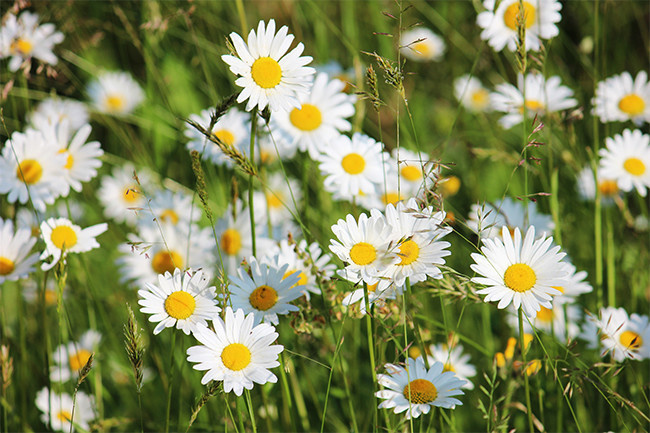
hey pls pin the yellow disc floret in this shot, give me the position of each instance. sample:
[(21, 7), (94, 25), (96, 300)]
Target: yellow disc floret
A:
[(230, 242), (302, 277), (545, 315), (78, 360), (63, 236), (409, 252), (166, 261), (224, 136), (420, 391), (29, 171), (6, 266), (236, 356), (411, 173), (631, 104), (519, 277), (21, 46), (353, 163), (511, 13), (130, 194), (306, 118), (169, 216), (180, 305), (363, 253), (115, 103), (631, 340), (263, 298), (266, 72), (608, 188), (634, 166)]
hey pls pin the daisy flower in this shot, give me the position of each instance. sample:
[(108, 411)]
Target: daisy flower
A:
[(320, 117), (453, 360), (414, 389), (542, 96), (574, 286), (60, 235), (276, 203), (115, 93), (621, 98), (626, 159), (552, 321), (184, 300), (363, 245), (151, 253), (234, 236), (268, 74), (486, 220), (471, 94), (237, 352), (266, 292), (15, 261), (586, 186), (621, 335), (421, 45), (70, 358), (352, 165), (31, 170), (121, 195), (22, 39), (500, 25), (232, 129), (378, 293), (57, 410), (52, 111), (174, 208), (523, 272), (415, 170)]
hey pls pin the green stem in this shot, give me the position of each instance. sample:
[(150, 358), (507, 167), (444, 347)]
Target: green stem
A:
[(371, 349), (529, 411), (171, 380), (251, 206), (251, 413), (611, 266)]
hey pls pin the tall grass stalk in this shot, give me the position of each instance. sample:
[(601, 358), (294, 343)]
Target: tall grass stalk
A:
[(371, 349), (611, 259), (170, 382), (251, 411), (522, 345), (251, 178)]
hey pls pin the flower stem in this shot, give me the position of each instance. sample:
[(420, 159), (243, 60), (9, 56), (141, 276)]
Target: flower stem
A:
[(251, 413), (170, 382), (251, 155), (523, 369), (371, 347)]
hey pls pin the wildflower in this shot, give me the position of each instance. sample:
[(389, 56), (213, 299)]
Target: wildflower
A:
[(61, 235), (621, 335), (421, 45), (471, 94), (415, 171), (552, 321), (172, 208), (277, 203), (234, 236), (15, 261), (70, 358), (522, 272), (57, 410), (232, 129), (626, 159), (500, 25), (237, 352), (184, 300), (267, 75), (487, 220), (121, 195), (453, 360), (574, 286), (52, 111), (608, 188), (414, 389), (115, 93), (620, 98), (334, 70), (378, 293)]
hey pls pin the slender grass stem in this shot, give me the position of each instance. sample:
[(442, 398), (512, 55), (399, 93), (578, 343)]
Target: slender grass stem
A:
[(529, 408), (251, 178), (611, 259), (371, 348), (251, 412), (170, 383)]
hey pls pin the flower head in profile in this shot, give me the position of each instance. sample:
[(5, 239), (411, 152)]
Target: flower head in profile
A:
[(618, 334), (115, 93), (62, 236), (15, 246), (421, 45), (621, 98), (57, 410), (268, 74), (626, 159), (469, 91), (70, 358), (54, 110), (414, 389), (237, 351), (523, 272)]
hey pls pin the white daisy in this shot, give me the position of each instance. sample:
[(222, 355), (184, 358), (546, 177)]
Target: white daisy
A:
[(421, 45), (414, 389), (500, 25), (486, 220), (52, 111), (115, 93), (626, 159), (234, 236), (471, 94), (183, 299), (271, 146), (70, 358), (237, 352), (232, 129), (15, 261), (378, 293), (622, 336), (522, 272), (415, 171), (268, 76), (586, 186), (543, 96), (276, 203), (155, 250), (31, 170), (574, 286), (32, 290), (453, 360), (266, 292), (552, 321), (175, 208), (363, 245), (122, 196), (621, 98), (320, 118), (58, 410), (352, 165), (60, 235), (22, 39)]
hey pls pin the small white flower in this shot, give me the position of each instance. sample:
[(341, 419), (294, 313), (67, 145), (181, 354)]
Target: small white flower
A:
[(15, 261), (121, 195), (626, 159), (232, 129), (52, 111), (277, 203), (471, 94), (22, 38), (115, 93), (60, 235), (552, 321), (421, 45), (173, 208), (621, 98), (574, 286), (453, 360), (621, 335), (586, 185), (57, 410), (237, 352), (70, 358), (486, 220)]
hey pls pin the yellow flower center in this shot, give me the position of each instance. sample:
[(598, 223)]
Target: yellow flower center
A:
[(510, 15), (166, 261), (353, 163), (391, 198), (273, 201), (533, 367), (6, 266), (480, 98), (51, 297), (263, 298), (180, 305), (634, 166), (545, 315), (69, 161), (169, 216), (266, 72), (519, 277), (409, 252), (306, 118), (115, 102), (411, 173), (608, 187), (130, 194), (373, 288), (423, 49), (302, 277), (420, 391), (414, 352), (78, 360), (64, 416), (29, 171), (236, 356), (224, 136), (561, 289), (631, 340), (449, 367), (450, 186), (63, 236), (230, 242), (631, 104), (21, 46), (363, 253), (533, 105)]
